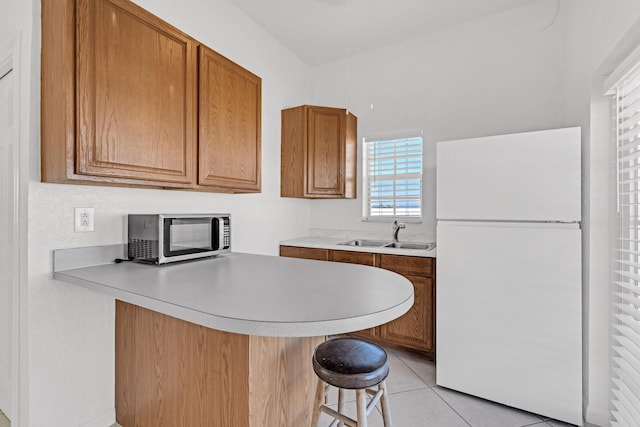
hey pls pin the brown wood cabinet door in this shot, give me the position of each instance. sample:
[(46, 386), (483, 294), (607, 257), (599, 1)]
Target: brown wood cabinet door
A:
[(305, 253), (229, 129), (293, 152), (363, 258), (415, 328), (136, 95), (326, 151), (366, 333)]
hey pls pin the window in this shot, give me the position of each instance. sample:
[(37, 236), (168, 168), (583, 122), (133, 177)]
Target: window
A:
[(625, 296), (393, 179)]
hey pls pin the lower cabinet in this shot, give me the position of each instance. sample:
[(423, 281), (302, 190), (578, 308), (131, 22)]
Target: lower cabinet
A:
[(363, 258), (415, 330)]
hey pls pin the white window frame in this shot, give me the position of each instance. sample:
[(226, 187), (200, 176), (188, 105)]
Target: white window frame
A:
[(367, 215)]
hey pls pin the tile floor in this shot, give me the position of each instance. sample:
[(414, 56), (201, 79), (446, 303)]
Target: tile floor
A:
[(417, 402)]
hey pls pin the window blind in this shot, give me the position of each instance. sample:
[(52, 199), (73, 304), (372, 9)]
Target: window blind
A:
[(626, 285), (393, 184)]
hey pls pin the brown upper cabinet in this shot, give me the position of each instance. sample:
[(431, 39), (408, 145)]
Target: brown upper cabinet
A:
[(230, 107), (318, 153), (121, 103)]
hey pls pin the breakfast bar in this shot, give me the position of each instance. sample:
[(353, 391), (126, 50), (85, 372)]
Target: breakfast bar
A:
[(227, 340)]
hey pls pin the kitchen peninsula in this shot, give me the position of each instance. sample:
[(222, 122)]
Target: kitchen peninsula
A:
[(227, 340)]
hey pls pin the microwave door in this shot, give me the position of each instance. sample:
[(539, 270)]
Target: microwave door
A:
[(185, 236)]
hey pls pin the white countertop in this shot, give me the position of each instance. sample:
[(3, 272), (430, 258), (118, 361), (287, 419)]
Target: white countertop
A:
[(255, 294), (322, 242)]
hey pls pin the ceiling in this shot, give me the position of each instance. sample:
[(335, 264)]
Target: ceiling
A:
[(323, 31)]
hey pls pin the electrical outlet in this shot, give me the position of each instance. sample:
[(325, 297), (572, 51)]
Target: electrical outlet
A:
[(84, 219)]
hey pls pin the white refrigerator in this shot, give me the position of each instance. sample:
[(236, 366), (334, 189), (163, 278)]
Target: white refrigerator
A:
[(509, 287)]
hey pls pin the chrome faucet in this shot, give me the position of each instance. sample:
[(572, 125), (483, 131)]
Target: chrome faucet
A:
[(396, 228)]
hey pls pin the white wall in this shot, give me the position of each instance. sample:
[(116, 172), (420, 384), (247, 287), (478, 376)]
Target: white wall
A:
[(597, 35), (9, 19), (71, 337), (496, 75)]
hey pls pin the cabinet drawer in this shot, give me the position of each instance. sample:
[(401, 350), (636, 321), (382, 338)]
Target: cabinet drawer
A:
[(417, 266), (364, 258), (306, 253)]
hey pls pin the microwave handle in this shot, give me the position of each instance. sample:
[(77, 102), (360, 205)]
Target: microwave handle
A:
[(220, 233)]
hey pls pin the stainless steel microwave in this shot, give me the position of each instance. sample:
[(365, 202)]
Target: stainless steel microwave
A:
[(160, 239)]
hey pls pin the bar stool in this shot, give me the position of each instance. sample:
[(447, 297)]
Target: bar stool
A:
[(351, 363)]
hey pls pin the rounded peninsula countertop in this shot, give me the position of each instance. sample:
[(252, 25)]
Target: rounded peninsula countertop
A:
[(256, 294)]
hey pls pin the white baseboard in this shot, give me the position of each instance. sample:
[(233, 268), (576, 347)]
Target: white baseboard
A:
[(597, 417), (106, 419)]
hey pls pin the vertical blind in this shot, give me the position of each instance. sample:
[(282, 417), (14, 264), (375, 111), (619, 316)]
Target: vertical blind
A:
[(626, 285), (393, 184)]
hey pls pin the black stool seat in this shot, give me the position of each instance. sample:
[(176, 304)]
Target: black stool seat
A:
[(350, 363)]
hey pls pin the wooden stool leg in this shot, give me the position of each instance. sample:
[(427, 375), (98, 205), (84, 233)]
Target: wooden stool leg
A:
[(340, 404), (384, 400), (317, 402), (361, 398)]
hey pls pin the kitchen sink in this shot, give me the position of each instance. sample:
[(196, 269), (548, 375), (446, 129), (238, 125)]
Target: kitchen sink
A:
[(410, 245), (369, 243), (387, 244)]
